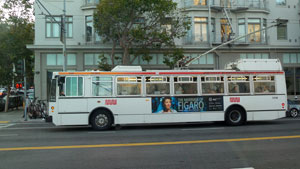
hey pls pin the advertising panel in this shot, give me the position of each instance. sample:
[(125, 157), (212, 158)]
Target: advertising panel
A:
[(187, 104)]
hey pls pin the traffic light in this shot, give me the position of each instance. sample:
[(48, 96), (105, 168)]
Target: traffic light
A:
[(20, 67), (19, 86)]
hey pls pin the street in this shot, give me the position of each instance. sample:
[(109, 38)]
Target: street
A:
[(259, 145)]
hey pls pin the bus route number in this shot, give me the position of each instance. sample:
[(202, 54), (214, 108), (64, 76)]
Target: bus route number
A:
[(111, 102), (235, 99)]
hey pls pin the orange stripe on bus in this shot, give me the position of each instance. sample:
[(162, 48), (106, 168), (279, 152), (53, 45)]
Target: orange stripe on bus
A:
[(106, 73), (161, 73)]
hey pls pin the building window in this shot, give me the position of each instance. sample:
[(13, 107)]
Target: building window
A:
[(225, 3), (264, 32), (203, 60), (291, 58), (90, 34), (200, 28), (225, 30), (282, 31), (280, 2), (200, 2), (213, 30), (91, 2), (242, 29), (69, 26), (254, 56), (91, 59), (58, 59), (254, 25), (53, 26)]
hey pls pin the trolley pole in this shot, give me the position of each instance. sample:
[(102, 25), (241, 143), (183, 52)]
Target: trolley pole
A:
[(25, 92), (64, 33)]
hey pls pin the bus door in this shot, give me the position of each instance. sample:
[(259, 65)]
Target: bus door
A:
[(53, 106)]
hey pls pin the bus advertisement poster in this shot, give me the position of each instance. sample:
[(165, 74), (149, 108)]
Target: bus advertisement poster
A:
[(187, 104)]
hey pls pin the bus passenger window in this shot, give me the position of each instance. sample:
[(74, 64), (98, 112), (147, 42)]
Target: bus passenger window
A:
[(129, 85), (238, 84), (264, 84), (212, 85), (157, 85), (102, 86), (74, 86), (185, 85)]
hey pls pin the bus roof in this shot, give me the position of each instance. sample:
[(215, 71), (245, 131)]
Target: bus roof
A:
[(242, 66)]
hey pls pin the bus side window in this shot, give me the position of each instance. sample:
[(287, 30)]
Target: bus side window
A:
[(129, 85), (264, 84), (185, 85), (74, 86), (238, 84), (212, 85), (157, 85), (102, 86)]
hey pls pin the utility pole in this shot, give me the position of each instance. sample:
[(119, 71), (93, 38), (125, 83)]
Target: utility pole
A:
[(64, 33), (25, 92)]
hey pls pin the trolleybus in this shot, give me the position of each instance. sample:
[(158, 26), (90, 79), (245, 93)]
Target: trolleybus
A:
[(247, 90)]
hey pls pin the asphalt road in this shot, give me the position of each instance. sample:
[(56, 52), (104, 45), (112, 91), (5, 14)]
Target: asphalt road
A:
[(258, 145)]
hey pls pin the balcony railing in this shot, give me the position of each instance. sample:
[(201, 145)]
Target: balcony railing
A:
[(231, 4)]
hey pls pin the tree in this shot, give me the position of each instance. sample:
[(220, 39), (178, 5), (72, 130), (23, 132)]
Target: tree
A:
[(137, 26), (16, 32)]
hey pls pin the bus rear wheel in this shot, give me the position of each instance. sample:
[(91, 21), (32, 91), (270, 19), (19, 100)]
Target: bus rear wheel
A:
[(101, 120), (235, 116)]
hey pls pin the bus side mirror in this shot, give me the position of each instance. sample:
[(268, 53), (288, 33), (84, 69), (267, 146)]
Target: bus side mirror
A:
[(61, 80)]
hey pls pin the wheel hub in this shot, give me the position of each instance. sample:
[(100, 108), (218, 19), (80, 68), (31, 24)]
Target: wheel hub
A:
[(101, 120), (235, 116)]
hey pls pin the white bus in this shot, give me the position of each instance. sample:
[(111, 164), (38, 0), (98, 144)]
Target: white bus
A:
[(128, 95)]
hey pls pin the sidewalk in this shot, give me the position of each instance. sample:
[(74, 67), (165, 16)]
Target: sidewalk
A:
[(14, 116)]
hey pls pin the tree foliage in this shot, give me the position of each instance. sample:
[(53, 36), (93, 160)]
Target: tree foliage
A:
[(138, 26), (16, 32)]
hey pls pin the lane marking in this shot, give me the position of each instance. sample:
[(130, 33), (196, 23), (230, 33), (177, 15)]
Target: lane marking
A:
[(4, 122), (150, 143), (103, 132), (244, 168), (5, 125), (9, 135), (192, 129), (30, 128)]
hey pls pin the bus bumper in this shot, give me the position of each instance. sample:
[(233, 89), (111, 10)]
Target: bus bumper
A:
[(48, 119)]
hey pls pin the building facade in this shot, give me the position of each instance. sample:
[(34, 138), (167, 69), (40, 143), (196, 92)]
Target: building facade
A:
[(213, 22)]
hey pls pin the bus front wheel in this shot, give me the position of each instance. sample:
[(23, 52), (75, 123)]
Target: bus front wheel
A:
[(235, 116), (101, 120)]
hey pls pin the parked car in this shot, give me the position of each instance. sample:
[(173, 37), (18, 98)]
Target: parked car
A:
[(14, 102), (2, 92), (2, 104), (293, 108)]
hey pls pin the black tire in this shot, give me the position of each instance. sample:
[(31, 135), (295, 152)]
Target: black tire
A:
[(235, 116), (101, 120), (294, 112)]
